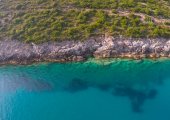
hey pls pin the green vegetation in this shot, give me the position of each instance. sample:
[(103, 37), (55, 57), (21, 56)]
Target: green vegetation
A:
[(56, 20)]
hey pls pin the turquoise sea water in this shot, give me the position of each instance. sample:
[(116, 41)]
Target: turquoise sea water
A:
[(93, 90)]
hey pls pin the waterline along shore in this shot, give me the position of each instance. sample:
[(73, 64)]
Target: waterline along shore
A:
[(16, 52)]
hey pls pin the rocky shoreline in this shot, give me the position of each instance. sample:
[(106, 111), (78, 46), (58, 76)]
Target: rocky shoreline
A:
[(16, 52)]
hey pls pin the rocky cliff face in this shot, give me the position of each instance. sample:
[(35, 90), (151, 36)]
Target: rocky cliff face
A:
[(15, 52)]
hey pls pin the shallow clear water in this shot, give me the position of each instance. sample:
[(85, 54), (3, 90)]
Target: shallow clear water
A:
[(92, 90)]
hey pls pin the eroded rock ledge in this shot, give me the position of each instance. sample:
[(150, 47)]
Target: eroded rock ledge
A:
[(16, 52)]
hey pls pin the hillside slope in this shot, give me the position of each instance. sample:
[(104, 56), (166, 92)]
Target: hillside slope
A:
[(57, 20)]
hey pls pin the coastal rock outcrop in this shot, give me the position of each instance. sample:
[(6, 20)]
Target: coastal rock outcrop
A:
[(16, 52), (133, 48)]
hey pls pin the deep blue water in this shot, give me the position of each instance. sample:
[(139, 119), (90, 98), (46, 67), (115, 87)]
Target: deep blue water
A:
[(93, 90)]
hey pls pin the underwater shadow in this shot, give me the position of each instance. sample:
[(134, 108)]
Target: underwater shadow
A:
[(14, 83)]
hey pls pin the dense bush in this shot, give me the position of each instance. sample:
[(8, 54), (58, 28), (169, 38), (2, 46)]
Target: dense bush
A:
[(44, 20)]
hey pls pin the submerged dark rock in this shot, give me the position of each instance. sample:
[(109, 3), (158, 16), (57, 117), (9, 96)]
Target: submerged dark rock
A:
[(137, 97), (152, 94), (104, 87), (16, 52), (76, 85)]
